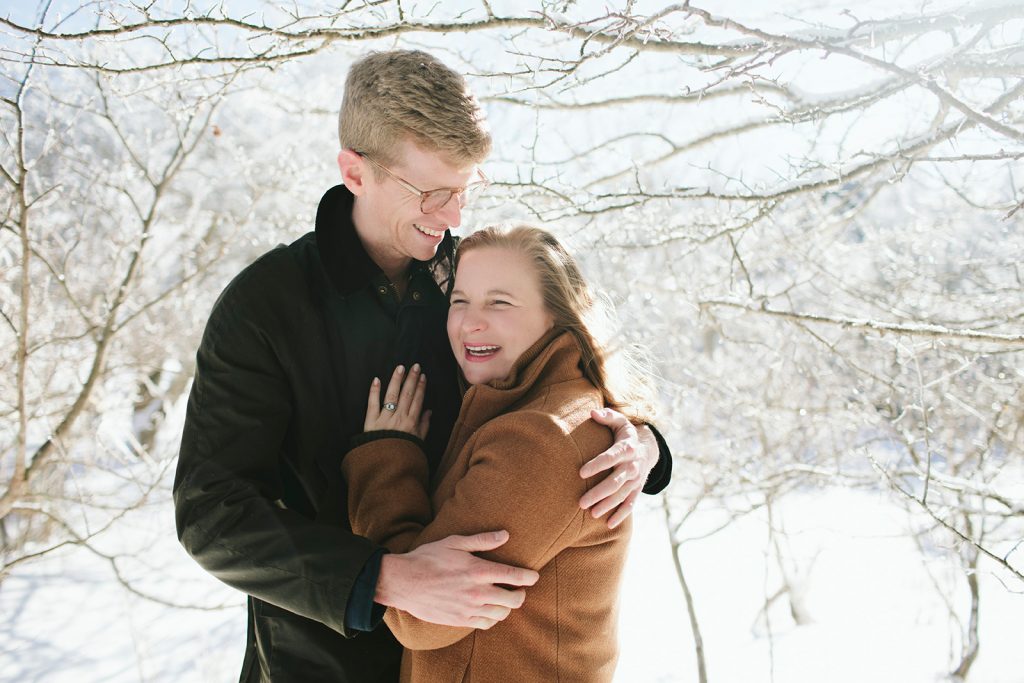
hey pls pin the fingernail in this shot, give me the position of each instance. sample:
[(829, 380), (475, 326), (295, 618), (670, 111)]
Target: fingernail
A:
[(376, 381), (416, 367), (400, 369)]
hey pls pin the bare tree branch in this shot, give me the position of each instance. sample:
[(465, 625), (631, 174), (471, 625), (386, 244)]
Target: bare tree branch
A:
[(913, 330)]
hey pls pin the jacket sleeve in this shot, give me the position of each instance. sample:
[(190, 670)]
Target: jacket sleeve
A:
[(227, 489), (661, 474), (523, 477)]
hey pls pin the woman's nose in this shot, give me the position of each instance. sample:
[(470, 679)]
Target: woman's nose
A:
[(472, 321)]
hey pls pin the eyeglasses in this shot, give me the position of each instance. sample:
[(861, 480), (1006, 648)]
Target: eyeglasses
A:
[(435, 200)]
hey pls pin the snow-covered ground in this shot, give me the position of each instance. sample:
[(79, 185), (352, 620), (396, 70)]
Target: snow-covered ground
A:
[(875, 613)]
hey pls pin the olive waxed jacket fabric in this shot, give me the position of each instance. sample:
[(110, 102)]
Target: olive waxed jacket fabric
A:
[(282, 376)]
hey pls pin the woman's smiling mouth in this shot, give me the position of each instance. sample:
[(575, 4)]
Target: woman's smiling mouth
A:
[(480, 352)]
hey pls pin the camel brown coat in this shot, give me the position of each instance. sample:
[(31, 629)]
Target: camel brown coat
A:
[(512, 463)]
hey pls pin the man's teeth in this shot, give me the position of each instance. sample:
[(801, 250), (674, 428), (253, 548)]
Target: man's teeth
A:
[(428, 231)]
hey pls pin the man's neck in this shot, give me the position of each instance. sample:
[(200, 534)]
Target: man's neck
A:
[(394, 265), (396, 269)]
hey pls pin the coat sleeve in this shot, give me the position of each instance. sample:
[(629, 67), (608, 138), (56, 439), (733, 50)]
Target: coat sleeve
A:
[(661, 474), (522, 477), (227, 488)]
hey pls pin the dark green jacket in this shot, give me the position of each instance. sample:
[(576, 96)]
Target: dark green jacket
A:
[(282, 375)]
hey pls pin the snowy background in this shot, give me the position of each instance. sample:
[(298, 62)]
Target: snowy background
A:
[(877, 606), (809, 212)]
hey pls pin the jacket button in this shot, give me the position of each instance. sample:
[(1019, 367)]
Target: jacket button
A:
[(382, 291), (416, 296)]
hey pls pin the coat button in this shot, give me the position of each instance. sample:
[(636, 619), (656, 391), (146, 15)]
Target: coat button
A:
[(416, 296), (382, 291)]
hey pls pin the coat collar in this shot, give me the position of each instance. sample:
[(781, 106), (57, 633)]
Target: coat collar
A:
[(342, 254), (554, 358)]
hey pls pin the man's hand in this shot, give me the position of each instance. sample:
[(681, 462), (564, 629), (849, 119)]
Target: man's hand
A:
[(631, 458), (444, 583)]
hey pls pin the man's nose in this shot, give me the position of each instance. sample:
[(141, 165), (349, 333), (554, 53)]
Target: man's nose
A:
[(451, 213)]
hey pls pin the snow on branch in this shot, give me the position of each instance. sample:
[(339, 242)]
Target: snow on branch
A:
[(909, 329)]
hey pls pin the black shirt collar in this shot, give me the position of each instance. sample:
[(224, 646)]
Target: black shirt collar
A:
[(342, 254)]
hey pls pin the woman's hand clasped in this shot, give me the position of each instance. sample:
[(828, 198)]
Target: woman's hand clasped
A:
[(403, 404)]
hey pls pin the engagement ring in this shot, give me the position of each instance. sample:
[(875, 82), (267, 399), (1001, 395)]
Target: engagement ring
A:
[(391, 406)]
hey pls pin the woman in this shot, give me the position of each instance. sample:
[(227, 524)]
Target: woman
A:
[(535, 373)]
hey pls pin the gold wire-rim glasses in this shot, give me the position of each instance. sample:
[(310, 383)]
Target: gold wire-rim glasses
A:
[(435, 200)]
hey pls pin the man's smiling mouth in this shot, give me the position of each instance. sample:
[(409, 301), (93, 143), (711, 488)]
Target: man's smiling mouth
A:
[(428, 232)]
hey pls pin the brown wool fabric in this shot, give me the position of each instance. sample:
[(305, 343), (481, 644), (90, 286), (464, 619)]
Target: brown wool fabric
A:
[(512, 463)]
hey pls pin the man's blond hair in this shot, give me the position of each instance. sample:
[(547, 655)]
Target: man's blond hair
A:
[(408, 94)]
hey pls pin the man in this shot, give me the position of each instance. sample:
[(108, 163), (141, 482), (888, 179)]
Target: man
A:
[(281, 381)]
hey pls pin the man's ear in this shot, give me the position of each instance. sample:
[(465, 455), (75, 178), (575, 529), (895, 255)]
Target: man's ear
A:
[(353, 171)]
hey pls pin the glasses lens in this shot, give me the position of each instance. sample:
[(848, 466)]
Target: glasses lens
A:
[(434, 200), (471, 193)]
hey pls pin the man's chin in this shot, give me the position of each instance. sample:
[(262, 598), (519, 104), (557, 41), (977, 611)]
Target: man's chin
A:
[(426, 246), (426, 254)]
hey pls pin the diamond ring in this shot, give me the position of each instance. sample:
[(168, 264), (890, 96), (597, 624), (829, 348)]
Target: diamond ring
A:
[(390, 406)]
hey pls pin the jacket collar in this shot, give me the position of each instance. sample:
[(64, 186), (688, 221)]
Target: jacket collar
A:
[(342, 254), (554, 358)]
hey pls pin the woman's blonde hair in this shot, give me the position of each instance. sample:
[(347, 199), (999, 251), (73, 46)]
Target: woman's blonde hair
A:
[(620, 374)]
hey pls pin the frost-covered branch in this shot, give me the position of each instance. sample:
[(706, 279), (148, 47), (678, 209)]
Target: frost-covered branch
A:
[(881, 327)]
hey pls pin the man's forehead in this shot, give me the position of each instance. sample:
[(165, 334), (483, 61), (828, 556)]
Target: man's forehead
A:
[(416, 158)]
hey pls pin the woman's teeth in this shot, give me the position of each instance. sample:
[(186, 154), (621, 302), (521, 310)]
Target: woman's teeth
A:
[(481, 350)]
